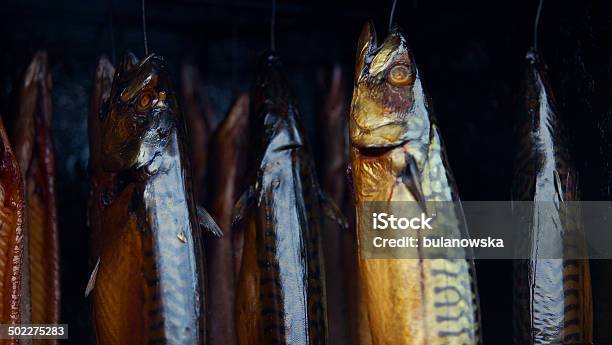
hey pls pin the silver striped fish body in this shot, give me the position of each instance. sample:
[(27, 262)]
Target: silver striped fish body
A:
[(281, 290), (552, 302), (397, 155)]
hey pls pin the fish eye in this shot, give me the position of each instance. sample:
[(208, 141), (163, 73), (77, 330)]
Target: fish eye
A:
[(145, 100), (400, 75)]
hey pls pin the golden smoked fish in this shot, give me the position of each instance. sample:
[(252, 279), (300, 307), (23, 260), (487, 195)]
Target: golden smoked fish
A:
[(148, 286), (32, 136), (12, 213), (552, 302), (397, 155), (229, 147), (281, 287)]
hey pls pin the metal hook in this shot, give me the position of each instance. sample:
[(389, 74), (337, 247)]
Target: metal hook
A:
[(144, 29), (392, 14), (535, 26), (273, 27)]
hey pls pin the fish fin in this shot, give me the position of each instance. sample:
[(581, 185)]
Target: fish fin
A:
[(332, 211), (206, 220), (412, 181), (242, 205), (91, 283), (559, 187)]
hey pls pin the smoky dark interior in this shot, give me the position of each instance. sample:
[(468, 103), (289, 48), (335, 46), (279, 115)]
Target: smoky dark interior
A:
[(471, 55)]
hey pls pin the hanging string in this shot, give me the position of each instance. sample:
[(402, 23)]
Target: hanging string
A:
[(273, 27), (535, 26), (392, 14), (112, 31), (144, 29)]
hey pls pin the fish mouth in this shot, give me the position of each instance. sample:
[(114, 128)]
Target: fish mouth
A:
[(388, 134), (365, 128), (380, 126), (288, 147), (377, 150)]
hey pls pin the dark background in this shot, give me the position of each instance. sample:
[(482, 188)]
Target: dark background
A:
[(471, 54)]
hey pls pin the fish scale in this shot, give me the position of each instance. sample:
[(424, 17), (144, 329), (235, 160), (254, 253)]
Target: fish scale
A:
[(12, 213), (170, 213), (397, 155)]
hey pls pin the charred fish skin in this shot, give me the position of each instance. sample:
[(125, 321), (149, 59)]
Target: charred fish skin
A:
[(103, 185), (150, 284), (340, 247), (332, 119), (33, 136), (552, 302), (12, 213), (229, 147), (397, 154), (199, 116), (281, 290)]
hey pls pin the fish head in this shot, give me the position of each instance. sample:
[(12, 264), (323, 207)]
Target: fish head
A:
[(388, 100), (533, 87), (538, 88), (140, 114), (277, 125), (539, 98)]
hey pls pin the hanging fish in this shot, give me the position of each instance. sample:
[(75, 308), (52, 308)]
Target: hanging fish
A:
[(552, 296), (12, 213), (339, 247), (200, 122), (103, 184), (148, 285), (397, 154), (281, 287), (229, 147), (31, 135)]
